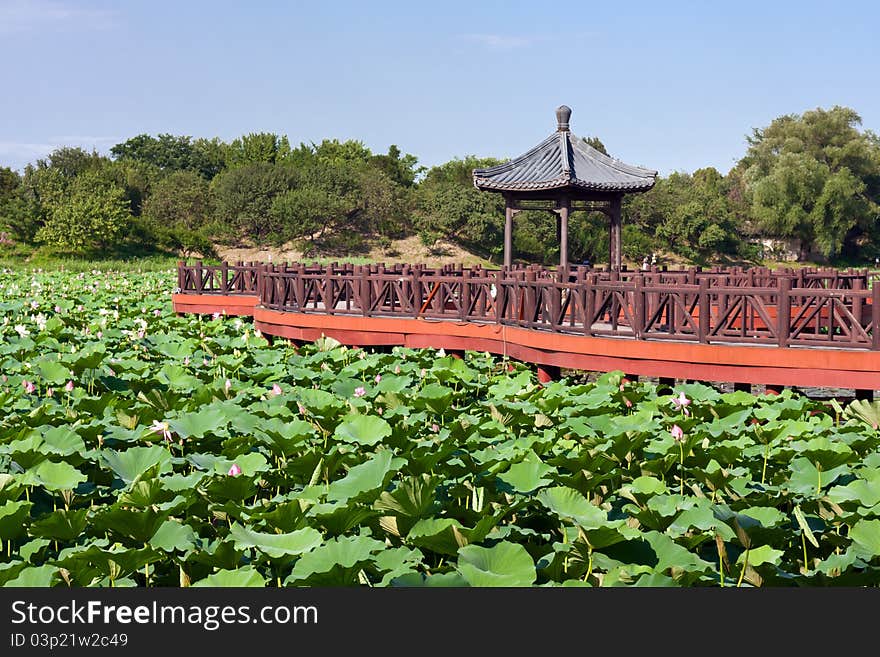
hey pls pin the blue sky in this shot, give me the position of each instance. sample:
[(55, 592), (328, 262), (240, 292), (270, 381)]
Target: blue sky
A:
[(670, 86)]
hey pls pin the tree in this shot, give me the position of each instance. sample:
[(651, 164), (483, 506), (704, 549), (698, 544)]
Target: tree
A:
[(10, 182), (72, 161), (815, 177), (167, 152), (180, 200), (400, 168), (243, 199), (90, 214), (448, 205), (256, 147)]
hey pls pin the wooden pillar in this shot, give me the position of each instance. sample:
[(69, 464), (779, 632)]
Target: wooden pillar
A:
[(562, 223), (614, 215), (547, 373), (508, 232)]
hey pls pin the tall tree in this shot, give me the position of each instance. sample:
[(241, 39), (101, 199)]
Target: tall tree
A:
[(815, 177), (254, 147)]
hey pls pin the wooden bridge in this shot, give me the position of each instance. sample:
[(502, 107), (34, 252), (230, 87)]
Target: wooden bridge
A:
[(785, 327)]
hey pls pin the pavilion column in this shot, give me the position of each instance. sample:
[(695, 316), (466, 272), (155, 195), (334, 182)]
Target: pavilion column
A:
[(562, 231), (614, 214), (508, 232)]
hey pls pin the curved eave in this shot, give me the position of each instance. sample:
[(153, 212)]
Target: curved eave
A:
[(562, 183)]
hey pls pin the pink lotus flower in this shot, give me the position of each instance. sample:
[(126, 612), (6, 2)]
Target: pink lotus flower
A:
[(68, 386), (360, 391), (276, 389), (435, 427), (29, 387), (215, 315), (627, 402), (50, 392), (397, 369), (57, 309), (378, 378), (227, 385), (234, 471), (681, 403), (300, 408), (162, 428), (677, 433)]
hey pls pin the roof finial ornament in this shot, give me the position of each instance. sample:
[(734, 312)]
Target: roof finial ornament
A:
[(563, 114)]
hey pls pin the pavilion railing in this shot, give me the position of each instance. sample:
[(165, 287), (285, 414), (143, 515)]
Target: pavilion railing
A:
[(784, 307)]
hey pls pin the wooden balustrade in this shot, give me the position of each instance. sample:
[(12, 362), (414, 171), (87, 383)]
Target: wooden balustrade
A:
[(816, 307)]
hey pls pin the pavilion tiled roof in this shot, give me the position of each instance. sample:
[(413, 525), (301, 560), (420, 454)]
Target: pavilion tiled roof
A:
[(561, 161)]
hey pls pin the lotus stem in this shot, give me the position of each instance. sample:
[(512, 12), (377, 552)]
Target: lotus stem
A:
[(743, 571), (766, 456), (681, 462), (804, 543)]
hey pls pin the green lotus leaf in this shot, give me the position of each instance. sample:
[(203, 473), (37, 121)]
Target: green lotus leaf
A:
[(527, 475), (62, 442), (35, 577), (435, 397), (53, 476), (569, 504), (504, 564), (128, 465), (54, 372), (174, 536), (139, 525), (335, 562), (62, 525), (865, 535), (284, 437), (13, 519), (178, 378), (362, 430), (33, 548), (276, 545), (671, 555), (246, 576), (365, 479), (864, 491), (207, 421), (807, 479), (760, 555)]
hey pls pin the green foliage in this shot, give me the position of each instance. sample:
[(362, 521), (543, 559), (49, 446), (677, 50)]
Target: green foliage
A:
[(814, 177), (448, 205), (91, 213), (445, 472), (243, 198), (207, 157), (257, 147)]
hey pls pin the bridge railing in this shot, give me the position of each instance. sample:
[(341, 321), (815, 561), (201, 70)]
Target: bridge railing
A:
[(784, 308)]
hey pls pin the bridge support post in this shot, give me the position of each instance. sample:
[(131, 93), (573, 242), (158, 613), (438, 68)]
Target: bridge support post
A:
[(548, 373), (867, 395), (666, 382)]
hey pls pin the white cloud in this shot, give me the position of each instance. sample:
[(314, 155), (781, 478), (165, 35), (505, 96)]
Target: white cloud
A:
[(27, 15)]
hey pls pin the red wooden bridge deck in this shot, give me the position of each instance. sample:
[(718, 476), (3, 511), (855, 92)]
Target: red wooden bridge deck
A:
[(803, 328)]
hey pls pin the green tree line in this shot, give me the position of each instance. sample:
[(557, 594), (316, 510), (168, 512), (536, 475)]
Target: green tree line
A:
[(811, 178)]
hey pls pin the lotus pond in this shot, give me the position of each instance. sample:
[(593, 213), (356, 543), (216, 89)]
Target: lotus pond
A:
[(139, 448)]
